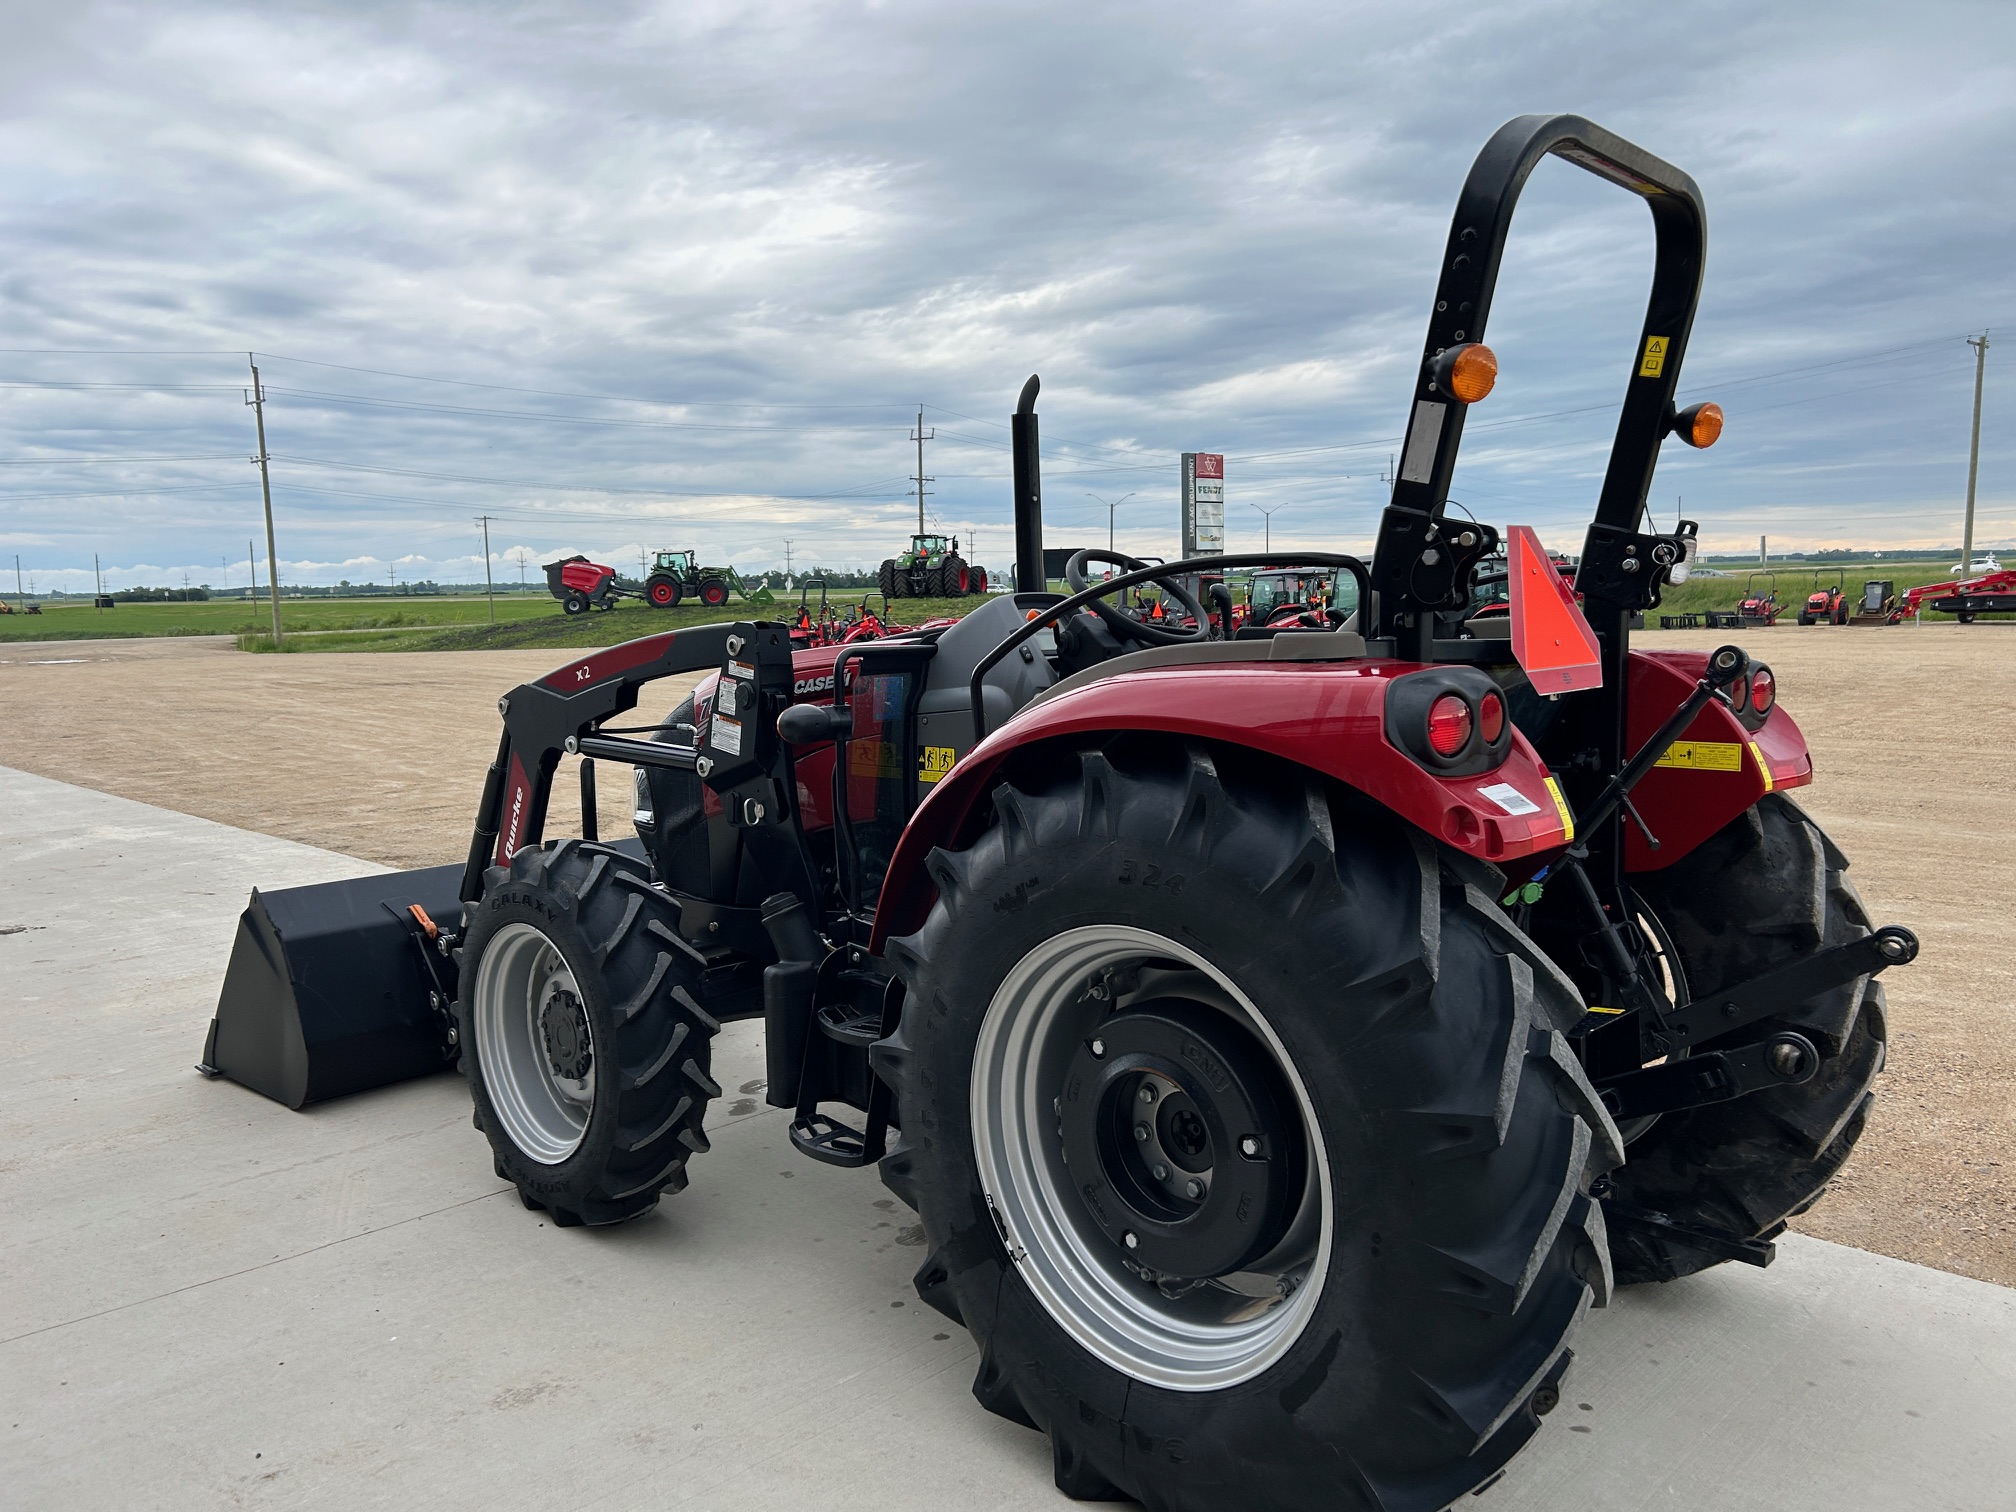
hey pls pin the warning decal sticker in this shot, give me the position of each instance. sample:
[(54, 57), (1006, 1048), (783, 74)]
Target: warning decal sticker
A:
[(725, 734), (1561, 808), (1704, 756), (1655, 356)]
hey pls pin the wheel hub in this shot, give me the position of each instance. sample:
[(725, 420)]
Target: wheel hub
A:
[(1174, 1127), (563, 1025)]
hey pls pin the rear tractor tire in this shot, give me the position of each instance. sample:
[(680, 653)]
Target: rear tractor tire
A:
[(582, 1033), (1246, 1139), (1767, 890), (661, 591)]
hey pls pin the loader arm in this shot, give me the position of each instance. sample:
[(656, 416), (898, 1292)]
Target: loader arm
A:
[(568, 704)]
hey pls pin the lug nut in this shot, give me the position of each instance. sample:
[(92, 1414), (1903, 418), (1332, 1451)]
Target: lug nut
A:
[(1249, 1146), (1161, 1173), (1129, 1240), (1148, 1094), (1195, 1189), (1141, 1132), (1098, 1049)]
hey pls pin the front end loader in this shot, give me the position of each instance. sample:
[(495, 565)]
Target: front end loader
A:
[(1284, 1032)]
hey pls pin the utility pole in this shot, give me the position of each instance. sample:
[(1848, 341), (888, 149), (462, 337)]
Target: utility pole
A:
[(257, 399), (1111, 505), (920, 436), (19, 594), (252, 572), (1269, 516), (98, 578), (489, 588), (787, 556), (1980, 346)]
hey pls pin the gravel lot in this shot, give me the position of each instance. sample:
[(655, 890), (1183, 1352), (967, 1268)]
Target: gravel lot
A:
[(382, 756)]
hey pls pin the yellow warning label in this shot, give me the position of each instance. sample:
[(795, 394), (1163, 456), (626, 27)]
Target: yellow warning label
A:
[(935, 763), (1561, 808), (1705, 756), (1763, 767), (1655, 357)]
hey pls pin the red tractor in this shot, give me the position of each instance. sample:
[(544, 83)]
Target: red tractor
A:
[(1757, 608), (1284, 1038), (1828, 603)]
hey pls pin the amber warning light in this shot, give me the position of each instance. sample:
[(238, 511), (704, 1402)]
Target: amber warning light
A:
[(1699, 424), (1466, 373)]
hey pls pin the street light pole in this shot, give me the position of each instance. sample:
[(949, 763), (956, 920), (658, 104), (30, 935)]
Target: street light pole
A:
[(1980, 346), (1111, 506), (1269, 515), (257, 400)]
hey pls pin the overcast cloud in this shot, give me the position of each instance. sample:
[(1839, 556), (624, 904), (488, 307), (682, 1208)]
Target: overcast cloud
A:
[(770, 232)]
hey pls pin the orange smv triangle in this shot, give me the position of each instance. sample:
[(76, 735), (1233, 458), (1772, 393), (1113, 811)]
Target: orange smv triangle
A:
[(1550, 638)]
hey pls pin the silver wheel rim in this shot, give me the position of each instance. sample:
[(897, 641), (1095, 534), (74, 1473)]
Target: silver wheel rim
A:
[(1210, 1338), (543, 1113)]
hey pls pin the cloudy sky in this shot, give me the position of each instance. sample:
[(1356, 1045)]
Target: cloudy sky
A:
[(635, 275)]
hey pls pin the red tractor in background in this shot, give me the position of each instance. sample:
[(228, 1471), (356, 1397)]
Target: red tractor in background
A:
[(1755, 609), (1828, 603), (1283, 1036)]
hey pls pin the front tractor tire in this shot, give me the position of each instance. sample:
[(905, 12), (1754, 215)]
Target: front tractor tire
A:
[(1246, 1138), (713, 592), (892, 583), (582, 1035), (1767, 890)]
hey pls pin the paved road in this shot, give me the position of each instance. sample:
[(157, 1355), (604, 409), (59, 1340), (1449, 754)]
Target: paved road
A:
[(212, 1301)]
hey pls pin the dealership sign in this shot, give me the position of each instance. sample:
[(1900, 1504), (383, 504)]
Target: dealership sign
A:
[(1203, 504)]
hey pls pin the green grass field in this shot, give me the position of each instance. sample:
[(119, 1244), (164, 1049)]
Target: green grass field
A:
[(79, 621), (540, 628), (532, 621), (1794, 583)]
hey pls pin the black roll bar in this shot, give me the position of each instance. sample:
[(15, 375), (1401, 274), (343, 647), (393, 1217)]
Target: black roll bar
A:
[(1463, 293)]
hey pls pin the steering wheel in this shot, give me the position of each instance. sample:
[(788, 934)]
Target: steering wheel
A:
[(1126, 627)]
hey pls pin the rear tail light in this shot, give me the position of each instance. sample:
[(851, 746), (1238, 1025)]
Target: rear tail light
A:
[(1491, 718), (1739, 694), (1449, 723), (1763, 690)]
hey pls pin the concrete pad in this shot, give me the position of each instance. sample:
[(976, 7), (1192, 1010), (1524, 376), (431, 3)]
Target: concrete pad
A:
[(211, 1300)]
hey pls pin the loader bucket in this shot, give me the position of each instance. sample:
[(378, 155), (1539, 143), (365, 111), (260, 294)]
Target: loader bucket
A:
[(336, 987)]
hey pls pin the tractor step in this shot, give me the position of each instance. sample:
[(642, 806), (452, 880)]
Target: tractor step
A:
[(846, 1024), (835, 1143)]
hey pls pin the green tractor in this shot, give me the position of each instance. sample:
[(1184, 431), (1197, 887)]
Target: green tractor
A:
[(674, 576), (931, 568)]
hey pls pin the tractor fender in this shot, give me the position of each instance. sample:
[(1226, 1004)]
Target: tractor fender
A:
[(1714, 771), (1329, 718)]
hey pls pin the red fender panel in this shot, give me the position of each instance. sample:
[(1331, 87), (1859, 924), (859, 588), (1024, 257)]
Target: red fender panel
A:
[(1329, 717), (1715, 771)]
